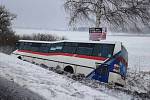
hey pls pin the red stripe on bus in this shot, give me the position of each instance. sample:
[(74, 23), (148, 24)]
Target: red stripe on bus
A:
[(65, 54)]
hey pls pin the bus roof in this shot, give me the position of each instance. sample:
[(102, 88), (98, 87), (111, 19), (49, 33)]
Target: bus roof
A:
[(102, 41)]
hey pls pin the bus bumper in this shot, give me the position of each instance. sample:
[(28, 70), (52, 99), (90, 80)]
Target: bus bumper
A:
[(116, 78)]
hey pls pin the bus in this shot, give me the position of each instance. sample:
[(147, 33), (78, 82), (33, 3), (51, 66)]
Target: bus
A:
[(105, 61)]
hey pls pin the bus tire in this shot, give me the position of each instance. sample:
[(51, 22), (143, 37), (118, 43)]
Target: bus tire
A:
[(69, 69), (19, 57)]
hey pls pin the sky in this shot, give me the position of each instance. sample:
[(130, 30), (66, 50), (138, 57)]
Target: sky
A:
[(40, 14)]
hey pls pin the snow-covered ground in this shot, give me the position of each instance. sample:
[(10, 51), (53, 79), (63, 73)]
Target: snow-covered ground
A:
[(48, 84)]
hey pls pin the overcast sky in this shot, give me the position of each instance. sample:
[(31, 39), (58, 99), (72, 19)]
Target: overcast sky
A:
[(45, 14)]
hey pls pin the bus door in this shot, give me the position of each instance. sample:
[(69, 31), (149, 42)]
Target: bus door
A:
[(101, 73)]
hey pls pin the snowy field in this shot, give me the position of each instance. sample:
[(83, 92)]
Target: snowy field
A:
[(137, 46)]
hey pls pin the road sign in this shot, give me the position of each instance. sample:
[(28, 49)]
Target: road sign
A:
[(97, 34)]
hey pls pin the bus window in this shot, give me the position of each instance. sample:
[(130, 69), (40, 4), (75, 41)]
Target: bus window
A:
[(68, 49), (89, 45), (44, 44), (107, 50), (17, 45), (97, 50), (21, 45), (57, 47), (44, 47), (26, 46), (103, 50), (84, 51), (71, 44), (35, 46)]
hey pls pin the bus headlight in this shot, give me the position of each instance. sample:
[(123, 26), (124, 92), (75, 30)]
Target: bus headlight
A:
[(116, 68)]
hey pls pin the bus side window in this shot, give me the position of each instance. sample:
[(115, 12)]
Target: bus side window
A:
[(35, 47), (44, 48), (52, 48), (69, 49), (97, 50), (26, 46), (57, 47), (17, 45), (107, 50), (84, 51), (21, 46), (103, 50), (71, 44)]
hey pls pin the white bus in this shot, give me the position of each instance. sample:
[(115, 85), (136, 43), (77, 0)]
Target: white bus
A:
[(100, 60)]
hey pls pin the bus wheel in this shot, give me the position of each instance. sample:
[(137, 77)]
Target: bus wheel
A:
[(69, 69), (19, 57), (44, 66)]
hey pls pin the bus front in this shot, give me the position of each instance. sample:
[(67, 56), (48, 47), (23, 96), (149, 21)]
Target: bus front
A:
[(114, 69)]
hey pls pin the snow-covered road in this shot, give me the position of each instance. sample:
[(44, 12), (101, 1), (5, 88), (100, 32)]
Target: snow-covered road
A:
[(47, 84)]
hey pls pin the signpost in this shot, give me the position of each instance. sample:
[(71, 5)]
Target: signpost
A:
[(97, 34)]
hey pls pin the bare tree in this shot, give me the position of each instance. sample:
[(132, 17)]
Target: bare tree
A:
[(119, 14)]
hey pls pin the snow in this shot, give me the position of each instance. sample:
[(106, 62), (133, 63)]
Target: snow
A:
[(46, 83), (138, 81)]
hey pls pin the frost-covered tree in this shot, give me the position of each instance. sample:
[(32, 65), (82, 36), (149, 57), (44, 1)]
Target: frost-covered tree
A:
[(119, 14), (5, 21), (6, 32)]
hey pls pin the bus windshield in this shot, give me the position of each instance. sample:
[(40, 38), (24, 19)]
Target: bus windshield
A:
[(104, 50)]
